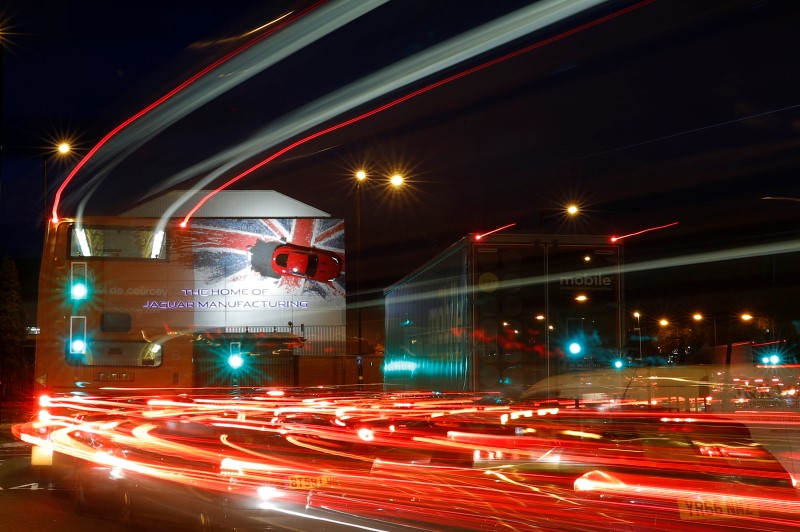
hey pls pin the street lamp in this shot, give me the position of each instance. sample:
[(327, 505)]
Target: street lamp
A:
[(639, 328), (61, 150), (699, 317), (2, 92), (361, 177), (665, 324), (397, 181), (570, 210), (745, 317)]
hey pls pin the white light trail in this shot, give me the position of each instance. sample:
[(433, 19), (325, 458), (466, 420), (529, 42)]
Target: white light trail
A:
[(240, 68), (397, 76), (760, 250), (83, 243)]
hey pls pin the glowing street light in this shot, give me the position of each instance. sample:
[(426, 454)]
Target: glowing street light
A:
[(361, 177), (397, 181), (61, 149), (638, 317), (699, 317), (570, 211), (744, 317)]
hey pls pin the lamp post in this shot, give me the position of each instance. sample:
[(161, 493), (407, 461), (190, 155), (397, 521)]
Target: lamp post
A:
[(361, 177), (2, 63), (728, 383), (61, 150), (665, 326), (396, 181), (638, 317), (699, 317)]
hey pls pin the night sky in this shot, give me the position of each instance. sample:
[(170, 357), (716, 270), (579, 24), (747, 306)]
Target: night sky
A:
[(677, 111)]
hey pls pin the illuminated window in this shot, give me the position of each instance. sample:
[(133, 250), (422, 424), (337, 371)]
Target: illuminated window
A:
[(117, 242)]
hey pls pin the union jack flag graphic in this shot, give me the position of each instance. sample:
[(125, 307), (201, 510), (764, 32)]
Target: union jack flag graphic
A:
[(226, 250)]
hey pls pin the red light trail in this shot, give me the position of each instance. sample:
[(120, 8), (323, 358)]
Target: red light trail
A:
[(431, 459), (409, 96), (617, 238), (478, 237), (166, 97)]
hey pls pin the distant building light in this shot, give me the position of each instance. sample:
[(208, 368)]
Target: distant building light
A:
[(33, 330), (400, 365)]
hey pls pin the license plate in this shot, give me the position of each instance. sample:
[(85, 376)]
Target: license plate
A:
[(298, 482), (715, 508)]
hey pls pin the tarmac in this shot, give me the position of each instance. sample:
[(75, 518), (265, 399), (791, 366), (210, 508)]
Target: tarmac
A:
[(12, 413)]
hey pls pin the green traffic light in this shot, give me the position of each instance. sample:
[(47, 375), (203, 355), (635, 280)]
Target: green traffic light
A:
[(79, 291)]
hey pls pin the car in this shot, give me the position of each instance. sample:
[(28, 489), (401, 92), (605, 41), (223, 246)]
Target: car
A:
[(276, 259), (641, 501), (678, 472), (570, 471), (310, 263), (403, 461), (187, 474)]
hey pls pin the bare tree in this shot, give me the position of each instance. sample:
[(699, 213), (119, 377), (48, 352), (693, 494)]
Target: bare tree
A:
[(12, 327)]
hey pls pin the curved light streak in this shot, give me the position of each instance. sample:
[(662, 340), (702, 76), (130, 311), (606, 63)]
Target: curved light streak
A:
[(760, 250), (617, 238), (310, 469), (429, 62), (146, 110), (245, 62), (478, 237)]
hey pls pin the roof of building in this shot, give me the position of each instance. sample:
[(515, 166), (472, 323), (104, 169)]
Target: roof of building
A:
[(226, 204)]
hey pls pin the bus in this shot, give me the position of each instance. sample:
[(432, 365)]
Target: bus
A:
[(690, 388), (224, 302)]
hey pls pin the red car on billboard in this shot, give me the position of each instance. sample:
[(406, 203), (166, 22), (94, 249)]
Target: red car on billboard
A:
[(310, 263)]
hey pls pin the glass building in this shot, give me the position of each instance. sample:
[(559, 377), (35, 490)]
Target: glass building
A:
[(502, 312)]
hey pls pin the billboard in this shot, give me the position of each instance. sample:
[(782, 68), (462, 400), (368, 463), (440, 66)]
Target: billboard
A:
[(220, 274), (232, 275)]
